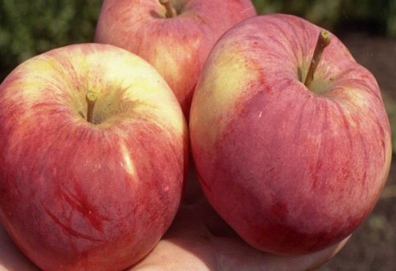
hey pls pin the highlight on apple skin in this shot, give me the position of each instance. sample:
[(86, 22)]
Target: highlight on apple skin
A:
[(89, 193), (176, 44), (293, 169)]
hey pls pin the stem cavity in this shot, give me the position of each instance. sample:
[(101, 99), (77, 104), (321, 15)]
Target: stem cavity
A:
[(323, 41), (91, 98), (170, 11)]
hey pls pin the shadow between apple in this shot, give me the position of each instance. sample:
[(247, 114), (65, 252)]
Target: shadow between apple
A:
[(11, 258)]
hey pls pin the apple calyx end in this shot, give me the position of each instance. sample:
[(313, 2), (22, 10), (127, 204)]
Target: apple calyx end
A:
[(91, 98), (170, 11), (323, 41)]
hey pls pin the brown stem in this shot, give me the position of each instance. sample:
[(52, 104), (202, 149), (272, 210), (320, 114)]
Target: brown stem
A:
[(321, 44), (91, 98), (170, 11)]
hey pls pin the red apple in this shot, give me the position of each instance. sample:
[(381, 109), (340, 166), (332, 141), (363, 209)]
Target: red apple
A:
[(93, 153), (176, 46), (292, 166)]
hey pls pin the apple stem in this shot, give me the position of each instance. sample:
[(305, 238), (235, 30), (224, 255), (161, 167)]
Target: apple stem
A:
[(91, 98), (170, 12), (321, 44)]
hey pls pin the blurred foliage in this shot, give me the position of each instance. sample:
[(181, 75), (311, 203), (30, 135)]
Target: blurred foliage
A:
[(378, 17), (28, 28)]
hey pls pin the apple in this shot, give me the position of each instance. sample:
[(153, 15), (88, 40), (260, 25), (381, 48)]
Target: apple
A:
[(197, 240), (174, 36), (93, 157), (293, 158)]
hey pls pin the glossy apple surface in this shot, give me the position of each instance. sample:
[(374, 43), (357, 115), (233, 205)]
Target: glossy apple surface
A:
[(177, 47), (79, 195), (292, 169)]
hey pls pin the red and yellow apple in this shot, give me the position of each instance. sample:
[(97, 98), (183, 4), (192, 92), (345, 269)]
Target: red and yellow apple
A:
[(293, 165), (93, 157), (197, 240), (177, 40)]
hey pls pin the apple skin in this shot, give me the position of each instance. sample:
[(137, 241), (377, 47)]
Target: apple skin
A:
[(177, 47), (81, 196), (292, 170)]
